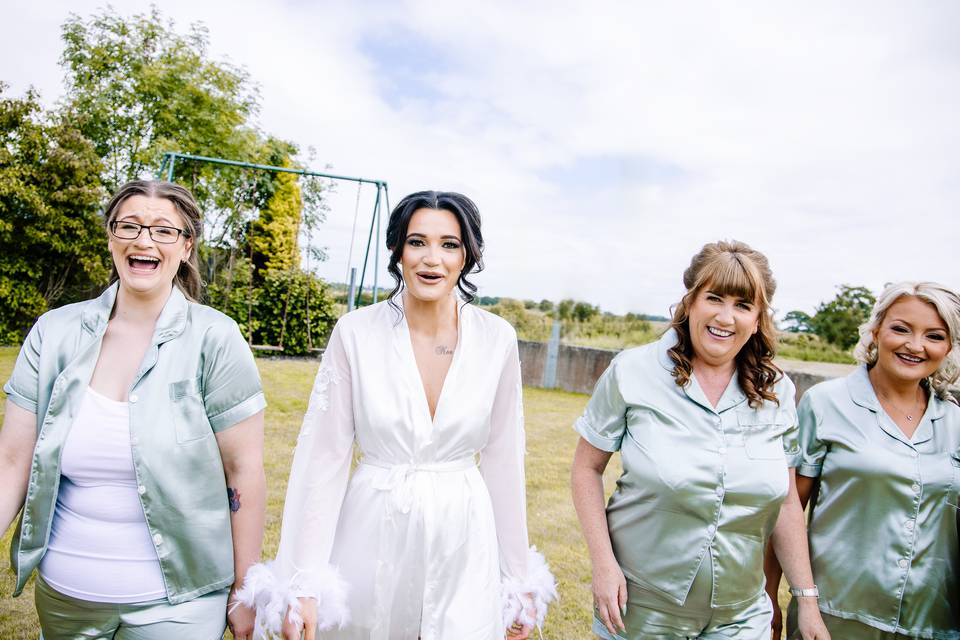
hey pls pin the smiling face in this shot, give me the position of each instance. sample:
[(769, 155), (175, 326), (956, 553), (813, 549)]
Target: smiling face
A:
[(912, 340), (433, 254), (147, 267), (720, 325)]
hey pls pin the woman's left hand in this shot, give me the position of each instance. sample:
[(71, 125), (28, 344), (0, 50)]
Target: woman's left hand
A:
[(809, 620), (240, 619), (519, 631)]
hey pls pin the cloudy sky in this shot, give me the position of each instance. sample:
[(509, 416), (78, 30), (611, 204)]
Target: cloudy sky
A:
[(606, 142)]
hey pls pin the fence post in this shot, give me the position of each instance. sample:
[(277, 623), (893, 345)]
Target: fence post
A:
[(553, 353), (352, 298)]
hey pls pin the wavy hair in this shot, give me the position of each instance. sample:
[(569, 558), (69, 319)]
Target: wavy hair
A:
[(468, 217), (731, 268), (946, 302), (188, 275)]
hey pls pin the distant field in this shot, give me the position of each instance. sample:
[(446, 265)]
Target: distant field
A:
[(552, 522)]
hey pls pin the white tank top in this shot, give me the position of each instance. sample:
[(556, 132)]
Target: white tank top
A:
[(100, 548)]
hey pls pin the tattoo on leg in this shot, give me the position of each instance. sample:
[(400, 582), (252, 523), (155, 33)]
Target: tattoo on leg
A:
[(233, 498), (443, 350)]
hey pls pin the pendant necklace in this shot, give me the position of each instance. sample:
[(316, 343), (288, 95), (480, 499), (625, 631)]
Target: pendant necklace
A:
[(908, 416)]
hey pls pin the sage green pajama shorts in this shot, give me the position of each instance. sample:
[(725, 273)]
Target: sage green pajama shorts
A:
[(843, 629), (651, 616), (66, 618)]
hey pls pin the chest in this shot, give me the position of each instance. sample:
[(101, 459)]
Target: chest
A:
[(433, 356), (120, 358)]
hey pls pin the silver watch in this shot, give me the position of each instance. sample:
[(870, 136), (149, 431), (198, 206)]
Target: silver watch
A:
[(810, 592)]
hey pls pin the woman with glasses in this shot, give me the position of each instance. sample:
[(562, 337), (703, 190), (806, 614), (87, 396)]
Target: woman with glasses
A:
[(132, 443)]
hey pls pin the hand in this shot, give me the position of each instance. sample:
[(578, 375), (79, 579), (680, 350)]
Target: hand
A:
[(308, 611), (777, 625), (519, 630), (610, 595), (240, 619), (809, 620)]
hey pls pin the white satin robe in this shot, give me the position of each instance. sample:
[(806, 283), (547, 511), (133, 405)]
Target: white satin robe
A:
[(427, 541)]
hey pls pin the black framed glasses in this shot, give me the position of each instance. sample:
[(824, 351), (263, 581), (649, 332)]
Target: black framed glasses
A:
[(158, 233)]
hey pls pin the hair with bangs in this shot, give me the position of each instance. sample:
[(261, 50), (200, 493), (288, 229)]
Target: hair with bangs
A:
[(729, 267), (946, 302), (188, 275)]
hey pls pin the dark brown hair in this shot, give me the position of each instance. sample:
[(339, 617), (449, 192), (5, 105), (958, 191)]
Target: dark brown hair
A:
[(731, 268), (188, 275), (468, 217)]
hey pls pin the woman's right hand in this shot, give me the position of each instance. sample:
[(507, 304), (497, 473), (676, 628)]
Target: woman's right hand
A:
[(610, 595), (308, 611)]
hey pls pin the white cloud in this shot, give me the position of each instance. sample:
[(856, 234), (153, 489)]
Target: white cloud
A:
[(823, 134)]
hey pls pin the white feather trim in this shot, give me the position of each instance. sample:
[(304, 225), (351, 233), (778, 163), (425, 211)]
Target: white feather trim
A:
[(263, 591), (526, 601)]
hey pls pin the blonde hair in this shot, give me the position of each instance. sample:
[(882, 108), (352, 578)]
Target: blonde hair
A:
[(945, 301), (729, 267)]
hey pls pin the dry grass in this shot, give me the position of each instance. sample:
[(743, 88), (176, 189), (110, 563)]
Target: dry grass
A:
[(552, 521)]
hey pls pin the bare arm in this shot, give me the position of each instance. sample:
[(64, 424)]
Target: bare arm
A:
[(789, 542), (241, 449), (609, 584), (17, 440)]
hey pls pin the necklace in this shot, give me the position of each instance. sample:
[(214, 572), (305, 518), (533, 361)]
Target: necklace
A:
[(908, 416)]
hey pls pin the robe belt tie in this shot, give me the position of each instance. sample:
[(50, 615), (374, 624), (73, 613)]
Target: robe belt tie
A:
[(397, 481)]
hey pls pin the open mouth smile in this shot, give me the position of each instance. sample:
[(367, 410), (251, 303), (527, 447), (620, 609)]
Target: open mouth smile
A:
[(719, 333), (909, 359), (143, 263), (429, 277)]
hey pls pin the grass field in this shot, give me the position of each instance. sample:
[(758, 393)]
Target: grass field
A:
[(552, 521)]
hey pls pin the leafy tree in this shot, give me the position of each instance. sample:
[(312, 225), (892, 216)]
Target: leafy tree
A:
[(565, 309), (136, 87), (583, 311), (837, 321), (798, 322), (53, 246), (546, 305)]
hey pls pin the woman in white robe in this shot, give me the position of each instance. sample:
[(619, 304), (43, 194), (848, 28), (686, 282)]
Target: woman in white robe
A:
[(421, 541)]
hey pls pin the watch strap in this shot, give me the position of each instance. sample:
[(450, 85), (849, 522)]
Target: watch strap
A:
[(809, 592)]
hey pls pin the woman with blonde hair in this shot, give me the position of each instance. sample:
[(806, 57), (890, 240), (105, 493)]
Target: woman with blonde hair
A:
[(880, 458), (705, 425)]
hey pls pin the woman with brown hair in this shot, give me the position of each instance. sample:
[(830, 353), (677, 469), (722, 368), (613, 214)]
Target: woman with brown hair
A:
[(132, 443), (705, 425)]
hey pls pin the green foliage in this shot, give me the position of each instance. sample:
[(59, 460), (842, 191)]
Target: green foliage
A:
[(274, 310), (282, 314), (837, 321), (608, 331), (810, 347), (545, 305), (136, 87), (530, 325), (52, 241), (274, 233), (797, 322)]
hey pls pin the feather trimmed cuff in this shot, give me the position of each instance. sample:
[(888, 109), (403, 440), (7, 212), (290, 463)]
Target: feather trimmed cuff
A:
[(526, 601), (271, 597)]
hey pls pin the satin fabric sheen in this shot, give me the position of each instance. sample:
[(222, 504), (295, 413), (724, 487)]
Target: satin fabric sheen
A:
[(699, 484), (883, 529), (422, 534), (197, 377)]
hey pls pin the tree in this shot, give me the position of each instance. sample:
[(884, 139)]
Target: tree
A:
[(546, 305), (797, 322), (53, 246), (837, 321), (136, 88), (583, 311)]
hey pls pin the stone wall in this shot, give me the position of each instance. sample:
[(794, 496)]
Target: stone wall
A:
[(579, 367)]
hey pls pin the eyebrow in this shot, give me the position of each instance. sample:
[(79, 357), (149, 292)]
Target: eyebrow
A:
[(720, 295), (162, 221), (902, 321), (423, 235)]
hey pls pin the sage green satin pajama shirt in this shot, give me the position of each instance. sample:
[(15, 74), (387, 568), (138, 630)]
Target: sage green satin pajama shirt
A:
[(883, 528), (700, 493), (198, 377)]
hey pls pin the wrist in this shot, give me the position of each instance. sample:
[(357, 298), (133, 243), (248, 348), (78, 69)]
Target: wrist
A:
[(805, 593)]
